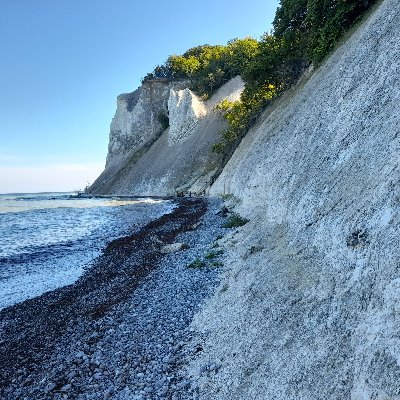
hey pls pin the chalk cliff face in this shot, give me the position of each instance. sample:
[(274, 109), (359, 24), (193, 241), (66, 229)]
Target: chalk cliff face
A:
[(309, 304), (137, 118), (147, 159), (136, 125), (309, 307), (185, 111)]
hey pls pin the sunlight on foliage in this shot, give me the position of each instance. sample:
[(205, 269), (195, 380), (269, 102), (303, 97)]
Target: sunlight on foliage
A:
[(304, 33)]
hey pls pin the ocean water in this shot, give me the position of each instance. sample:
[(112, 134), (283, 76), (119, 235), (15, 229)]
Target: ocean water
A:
[(48, 239)]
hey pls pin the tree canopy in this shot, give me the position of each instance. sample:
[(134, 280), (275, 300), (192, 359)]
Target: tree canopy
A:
[(304, 33), (209, 67)]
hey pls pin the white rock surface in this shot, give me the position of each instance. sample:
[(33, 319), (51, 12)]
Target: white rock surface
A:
[(173, 247), (309, 304), (145, 160), (185, 110), (136, 118), (231, 91), (135, 127)]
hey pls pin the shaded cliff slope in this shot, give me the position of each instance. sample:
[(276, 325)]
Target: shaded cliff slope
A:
[(309, 307), (144, 158)]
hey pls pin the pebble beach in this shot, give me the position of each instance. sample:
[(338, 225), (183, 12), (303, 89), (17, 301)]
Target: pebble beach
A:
[(121, 331)]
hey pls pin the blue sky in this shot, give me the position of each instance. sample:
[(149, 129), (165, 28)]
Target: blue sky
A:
[(63, 63)]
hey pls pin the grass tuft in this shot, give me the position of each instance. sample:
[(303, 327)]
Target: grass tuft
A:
[(217, 264), (197, 263), (212, 254), (235, 220), (224, 288)]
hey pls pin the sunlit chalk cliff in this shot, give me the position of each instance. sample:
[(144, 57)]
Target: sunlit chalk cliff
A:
[(309, 303), (148, 158), (309, 307), (185, 112), (137, 119)]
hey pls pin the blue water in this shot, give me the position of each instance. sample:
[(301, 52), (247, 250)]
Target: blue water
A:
[(48, 239)]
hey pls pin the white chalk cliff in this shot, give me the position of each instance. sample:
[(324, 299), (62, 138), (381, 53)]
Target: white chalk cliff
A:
[(185, 111), (309, 306), (136, 118), (309, 302), (146, 158)]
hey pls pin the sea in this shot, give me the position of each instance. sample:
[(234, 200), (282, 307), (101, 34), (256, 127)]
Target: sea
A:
[(47, 240)]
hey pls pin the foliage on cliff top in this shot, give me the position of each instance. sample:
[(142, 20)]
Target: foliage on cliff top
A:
[(313, 27), (304, 33), (208, 67)]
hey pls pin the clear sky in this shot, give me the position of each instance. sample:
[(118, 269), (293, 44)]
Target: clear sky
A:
[(63, 63)]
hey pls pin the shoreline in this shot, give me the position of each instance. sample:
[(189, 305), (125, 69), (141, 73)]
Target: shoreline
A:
[(50, 244), (130, 196), (47, 341), (122, 196)]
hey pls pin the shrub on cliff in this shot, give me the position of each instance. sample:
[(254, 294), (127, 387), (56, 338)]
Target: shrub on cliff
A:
[(235, 221)]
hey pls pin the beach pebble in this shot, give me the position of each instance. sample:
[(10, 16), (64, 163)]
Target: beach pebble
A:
[(173, 247), (51, 386)]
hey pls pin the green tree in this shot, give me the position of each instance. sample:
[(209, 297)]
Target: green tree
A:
[(183, 67), (290, 19), (239, 55)]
